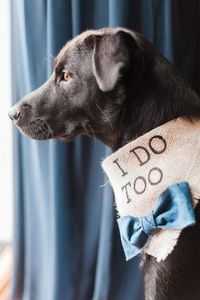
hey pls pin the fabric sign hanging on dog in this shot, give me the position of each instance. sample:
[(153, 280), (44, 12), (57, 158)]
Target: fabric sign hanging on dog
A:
[(145, 168)]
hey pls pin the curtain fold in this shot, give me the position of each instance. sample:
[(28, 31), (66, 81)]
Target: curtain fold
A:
[(66, 241)]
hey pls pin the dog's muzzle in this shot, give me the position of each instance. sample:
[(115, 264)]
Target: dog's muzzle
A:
[(18, 112), (35, 128)]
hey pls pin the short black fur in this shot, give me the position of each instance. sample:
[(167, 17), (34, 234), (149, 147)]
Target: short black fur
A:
[(121, 88)]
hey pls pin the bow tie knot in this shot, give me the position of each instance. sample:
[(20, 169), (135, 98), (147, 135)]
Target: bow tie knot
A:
[(173, 210), (148, 224)]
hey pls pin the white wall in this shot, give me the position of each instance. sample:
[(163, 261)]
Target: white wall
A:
[(6, 186)]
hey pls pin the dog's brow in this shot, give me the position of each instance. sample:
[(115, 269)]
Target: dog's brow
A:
[(58, 68), (59, 63)]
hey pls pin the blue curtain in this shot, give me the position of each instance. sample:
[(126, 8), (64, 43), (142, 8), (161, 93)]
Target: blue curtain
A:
[(66, 242)]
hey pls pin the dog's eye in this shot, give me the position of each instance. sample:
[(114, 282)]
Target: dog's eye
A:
[(67, 76)]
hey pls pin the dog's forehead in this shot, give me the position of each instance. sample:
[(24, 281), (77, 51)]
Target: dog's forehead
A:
[(70, 46)]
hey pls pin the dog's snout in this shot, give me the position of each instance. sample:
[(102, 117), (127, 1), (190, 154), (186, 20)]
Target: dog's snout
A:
[(19, 111), (14, 115)]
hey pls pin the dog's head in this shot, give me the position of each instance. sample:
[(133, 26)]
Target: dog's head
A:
[(86, 91)]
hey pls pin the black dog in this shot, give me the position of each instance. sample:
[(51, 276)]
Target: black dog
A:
[(113, 84)]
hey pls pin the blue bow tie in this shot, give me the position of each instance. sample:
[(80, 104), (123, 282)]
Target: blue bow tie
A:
[(173, 211)]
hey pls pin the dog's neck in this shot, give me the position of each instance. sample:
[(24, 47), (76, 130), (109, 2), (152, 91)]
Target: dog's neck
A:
[(156, 99)]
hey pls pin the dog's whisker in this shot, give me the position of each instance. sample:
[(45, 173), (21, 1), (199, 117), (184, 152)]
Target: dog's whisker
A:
[(93, 133), (49, 57), (86, 130), (49, 131), (103, 185), (106, 118)]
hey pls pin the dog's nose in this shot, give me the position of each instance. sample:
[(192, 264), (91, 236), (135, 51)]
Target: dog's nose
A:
[(14, 115)]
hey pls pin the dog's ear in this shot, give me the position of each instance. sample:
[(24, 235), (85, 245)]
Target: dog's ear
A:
[(111, 54)]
